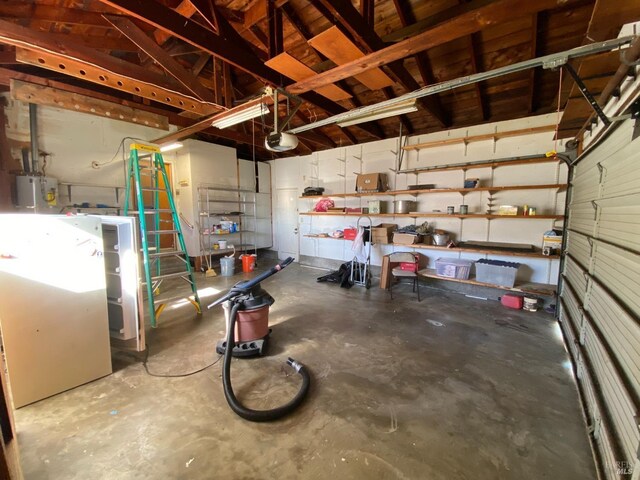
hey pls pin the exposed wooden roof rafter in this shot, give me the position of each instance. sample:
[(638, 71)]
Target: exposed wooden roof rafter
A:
[(160, 56), (407, 18), (230, 46), (470, 22), (365, 35)]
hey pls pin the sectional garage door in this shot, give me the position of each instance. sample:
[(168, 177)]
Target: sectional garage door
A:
[(600, 296)]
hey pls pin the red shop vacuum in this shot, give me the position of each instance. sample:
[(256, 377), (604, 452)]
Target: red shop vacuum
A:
[(246, 308)]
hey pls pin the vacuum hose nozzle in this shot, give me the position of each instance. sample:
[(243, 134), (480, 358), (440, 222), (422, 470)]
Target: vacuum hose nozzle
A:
[(295, 365)]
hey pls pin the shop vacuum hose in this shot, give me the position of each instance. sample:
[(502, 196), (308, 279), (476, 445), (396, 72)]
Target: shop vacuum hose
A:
[(234, 403)]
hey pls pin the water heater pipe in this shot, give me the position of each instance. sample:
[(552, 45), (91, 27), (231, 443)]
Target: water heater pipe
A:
[(33, 128)]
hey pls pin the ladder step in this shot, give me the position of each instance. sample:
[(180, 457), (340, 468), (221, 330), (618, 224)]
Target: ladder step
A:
[(170, 275), (151, 168), (152, 210), (167, 254)]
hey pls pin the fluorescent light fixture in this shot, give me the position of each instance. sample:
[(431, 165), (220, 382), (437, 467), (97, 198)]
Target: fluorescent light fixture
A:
[(170, 146), (384, 112), (241, 116)]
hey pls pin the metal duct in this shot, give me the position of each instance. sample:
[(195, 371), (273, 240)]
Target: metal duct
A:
[(33, 128)]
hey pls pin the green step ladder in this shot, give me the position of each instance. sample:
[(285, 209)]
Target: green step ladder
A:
[(146, 161)]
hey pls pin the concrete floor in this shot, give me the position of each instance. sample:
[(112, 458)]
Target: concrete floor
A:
[(448, 388)]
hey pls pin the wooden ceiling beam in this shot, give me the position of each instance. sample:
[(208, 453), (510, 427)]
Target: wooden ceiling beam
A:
[(295, 21), (108, 77), (235, 52), (257, 11), (473, 21), (161, 57), (533, 75), (407, 17), (184, 8), (53, 97), (8, 57), (98, 42), (218, 80), (414, 28), (227, 85), (199, 65), (192, 32), (474, 60), (40, 49), (7, 75), (320, 138), (367, 11), (364, 34), (49, 13), (274, 21)]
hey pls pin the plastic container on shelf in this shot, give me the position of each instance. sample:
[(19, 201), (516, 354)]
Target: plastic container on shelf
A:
[(248, 262), (227, 266), (512, 301), (454, 268), (497, 272)]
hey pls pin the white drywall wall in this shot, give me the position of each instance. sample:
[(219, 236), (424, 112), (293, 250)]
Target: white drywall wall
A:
[(76, 140), (336, 170)]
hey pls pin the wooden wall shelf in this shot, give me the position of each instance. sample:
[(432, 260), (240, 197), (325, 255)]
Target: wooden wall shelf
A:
[(464, 191), (506, 253), (436, 215), (543, 289), (488, 164), (477, 138)]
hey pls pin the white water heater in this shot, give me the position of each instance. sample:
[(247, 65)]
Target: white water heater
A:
[(37, 192)]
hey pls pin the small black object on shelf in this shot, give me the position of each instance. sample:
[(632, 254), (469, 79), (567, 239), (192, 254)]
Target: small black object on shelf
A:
[(313, 191)]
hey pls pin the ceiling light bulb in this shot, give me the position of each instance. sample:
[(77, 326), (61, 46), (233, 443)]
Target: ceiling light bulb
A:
[(241, 116), (171, 146), (390, 111)]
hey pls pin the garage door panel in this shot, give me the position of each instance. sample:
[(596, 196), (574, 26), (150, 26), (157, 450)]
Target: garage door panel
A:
[(579, 247), (619, 405), (621, 176), (586, 186), (566, 325), (572, 306), (620, 330), (620, 172), (606, 241), (582, 217), (576, 277), (619, 221), (620, 271)]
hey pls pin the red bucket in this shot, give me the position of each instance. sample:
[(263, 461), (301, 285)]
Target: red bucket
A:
[(248, 263)]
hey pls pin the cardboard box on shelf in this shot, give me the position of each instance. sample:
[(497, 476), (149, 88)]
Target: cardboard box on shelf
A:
[(553, 240), (372, 182), (508, 210), (406, 238), (383, 233), (376, 206)]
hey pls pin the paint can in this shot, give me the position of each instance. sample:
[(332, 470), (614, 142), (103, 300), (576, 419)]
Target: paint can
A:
[(530, 304), (464, 209), (451, 210)]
